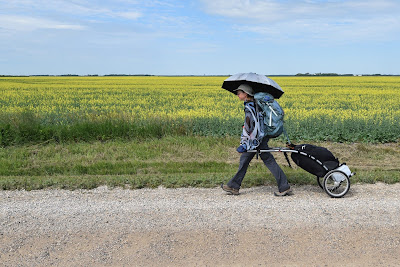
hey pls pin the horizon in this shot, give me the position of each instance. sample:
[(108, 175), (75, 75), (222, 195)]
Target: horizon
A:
[(195, 75)]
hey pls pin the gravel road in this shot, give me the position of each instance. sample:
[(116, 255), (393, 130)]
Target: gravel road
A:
[(200, 227)]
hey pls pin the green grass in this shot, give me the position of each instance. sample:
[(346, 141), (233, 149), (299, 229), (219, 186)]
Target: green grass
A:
[(28, 128), (180, 161)]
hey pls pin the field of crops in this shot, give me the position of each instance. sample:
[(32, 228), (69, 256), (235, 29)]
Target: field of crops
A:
[(344, 109)]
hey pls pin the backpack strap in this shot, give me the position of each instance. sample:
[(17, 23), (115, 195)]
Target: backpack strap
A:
[(255, 119)]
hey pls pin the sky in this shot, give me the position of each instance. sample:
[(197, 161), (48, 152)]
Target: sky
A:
[(199, 37)]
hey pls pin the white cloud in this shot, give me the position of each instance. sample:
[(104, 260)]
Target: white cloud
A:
[(26, 23), (129, 15), (316, 19), (83, 8), (273, 10), (245, 10)]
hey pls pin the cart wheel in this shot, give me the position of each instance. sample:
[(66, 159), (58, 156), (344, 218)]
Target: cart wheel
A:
[(320, 181), (336, 183)]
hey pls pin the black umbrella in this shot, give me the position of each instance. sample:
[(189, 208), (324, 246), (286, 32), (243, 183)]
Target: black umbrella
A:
[(259, 83)]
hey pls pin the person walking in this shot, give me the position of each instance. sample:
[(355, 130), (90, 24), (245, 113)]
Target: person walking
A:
[(245, 93)]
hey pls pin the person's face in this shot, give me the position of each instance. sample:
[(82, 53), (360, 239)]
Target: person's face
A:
[(242, 95)]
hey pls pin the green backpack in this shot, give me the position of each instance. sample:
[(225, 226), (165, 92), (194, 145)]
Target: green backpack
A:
[(271, 124)]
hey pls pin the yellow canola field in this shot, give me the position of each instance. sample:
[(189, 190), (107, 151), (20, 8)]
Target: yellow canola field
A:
[(66, 99)]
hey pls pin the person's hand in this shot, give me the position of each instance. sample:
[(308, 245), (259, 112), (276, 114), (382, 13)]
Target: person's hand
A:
[(241, 149)]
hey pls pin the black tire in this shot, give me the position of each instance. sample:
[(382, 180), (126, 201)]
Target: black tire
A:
[(336, 183)]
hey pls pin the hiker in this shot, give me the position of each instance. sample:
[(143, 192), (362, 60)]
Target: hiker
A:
[(245, 93)]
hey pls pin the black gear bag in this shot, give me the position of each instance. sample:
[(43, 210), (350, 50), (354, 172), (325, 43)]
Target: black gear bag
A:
[(314, 159)]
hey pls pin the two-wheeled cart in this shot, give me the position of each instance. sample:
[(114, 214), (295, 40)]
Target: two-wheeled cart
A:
[(332, 177)]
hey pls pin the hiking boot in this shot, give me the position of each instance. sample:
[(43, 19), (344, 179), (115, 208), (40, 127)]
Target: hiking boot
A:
[(287, 192), (231, 190)]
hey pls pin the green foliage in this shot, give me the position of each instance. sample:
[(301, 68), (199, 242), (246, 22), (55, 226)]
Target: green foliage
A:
[(173, 161), (28, 129)]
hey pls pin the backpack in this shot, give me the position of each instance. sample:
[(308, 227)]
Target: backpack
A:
[(272, 114), (268, 117)]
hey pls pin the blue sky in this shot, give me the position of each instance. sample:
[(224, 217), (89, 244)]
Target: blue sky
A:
[(197, 37)]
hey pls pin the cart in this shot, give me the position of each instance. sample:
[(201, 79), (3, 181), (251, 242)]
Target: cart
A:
[(334, 181)]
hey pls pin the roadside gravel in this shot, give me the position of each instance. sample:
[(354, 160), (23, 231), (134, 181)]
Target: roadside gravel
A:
[(200, 227)]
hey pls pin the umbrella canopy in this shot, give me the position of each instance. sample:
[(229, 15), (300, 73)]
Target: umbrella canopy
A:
[(259, 83)]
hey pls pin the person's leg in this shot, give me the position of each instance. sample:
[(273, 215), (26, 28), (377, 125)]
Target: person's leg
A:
[(276, 171), (236, 180), (274, 168)]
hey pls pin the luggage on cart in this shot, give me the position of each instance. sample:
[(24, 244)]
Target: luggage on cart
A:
[(332, 176), (313, 159)]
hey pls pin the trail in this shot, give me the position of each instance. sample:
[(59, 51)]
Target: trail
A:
[(200, 227)]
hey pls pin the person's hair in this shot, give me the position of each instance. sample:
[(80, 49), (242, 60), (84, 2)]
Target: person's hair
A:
[(250, 97)]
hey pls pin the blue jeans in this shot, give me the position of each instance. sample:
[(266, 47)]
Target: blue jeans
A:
[(268, 160)]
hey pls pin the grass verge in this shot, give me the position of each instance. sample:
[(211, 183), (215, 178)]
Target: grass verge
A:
[(172, 161)]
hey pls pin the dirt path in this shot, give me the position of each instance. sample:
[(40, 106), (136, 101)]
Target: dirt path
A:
[(200, 227)]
